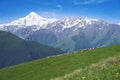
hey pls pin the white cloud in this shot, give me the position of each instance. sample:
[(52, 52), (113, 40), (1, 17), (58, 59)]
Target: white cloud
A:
[(86, 2), (59, 7)]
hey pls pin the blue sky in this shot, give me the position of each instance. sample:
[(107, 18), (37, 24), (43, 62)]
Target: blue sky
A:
[(108, 10)]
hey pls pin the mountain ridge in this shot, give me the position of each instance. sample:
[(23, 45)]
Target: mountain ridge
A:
[(34, 17), (14, 50), (81, 33)]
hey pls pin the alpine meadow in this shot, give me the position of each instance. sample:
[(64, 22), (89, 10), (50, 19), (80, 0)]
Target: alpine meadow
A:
[(59, 40)]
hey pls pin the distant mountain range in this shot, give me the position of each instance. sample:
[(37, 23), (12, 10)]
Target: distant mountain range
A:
[(68, 34), (14, 50)]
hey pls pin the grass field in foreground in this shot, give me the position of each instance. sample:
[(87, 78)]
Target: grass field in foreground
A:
[(59, 66), (108, 69)]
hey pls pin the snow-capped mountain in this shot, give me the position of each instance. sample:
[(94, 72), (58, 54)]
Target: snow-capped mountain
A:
[(32, 19), (80, 22), (68, 34)]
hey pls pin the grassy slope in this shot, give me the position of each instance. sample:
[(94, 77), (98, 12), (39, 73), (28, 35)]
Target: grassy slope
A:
[(50, 68), (107, 69)]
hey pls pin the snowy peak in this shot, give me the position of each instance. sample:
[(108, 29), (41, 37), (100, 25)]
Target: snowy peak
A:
[(36, 22), (68, 22), (33, 15), (31, 19)]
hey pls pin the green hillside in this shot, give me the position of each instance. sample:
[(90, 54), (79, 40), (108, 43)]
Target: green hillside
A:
[(96, 64), (107, 69)]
